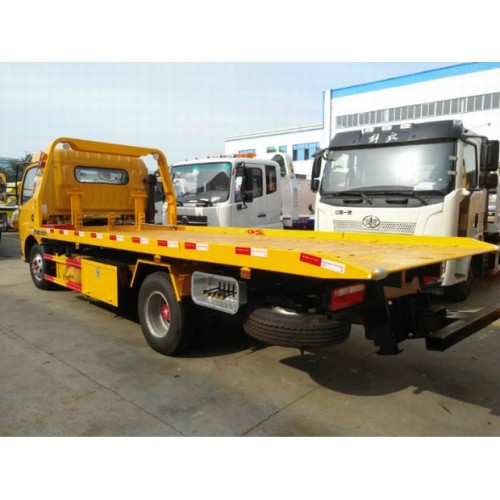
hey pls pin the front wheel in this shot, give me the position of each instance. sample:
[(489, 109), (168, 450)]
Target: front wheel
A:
[(39, 268), (460, 291), (162, 317)]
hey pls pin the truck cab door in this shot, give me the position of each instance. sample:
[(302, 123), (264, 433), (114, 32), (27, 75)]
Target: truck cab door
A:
[(249, 197), (258, 198), (27, 205), (274, 197)]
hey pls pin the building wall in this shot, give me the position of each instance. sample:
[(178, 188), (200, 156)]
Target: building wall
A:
[(468, 89), (460, 86)]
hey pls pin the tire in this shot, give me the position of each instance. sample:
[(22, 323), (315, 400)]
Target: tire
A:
[(286, 328), (460, 291), (163, 319), (39, 267)]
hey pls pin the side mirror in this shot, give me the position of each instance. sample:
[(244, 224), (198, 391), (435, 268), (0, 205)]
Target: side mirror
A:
[(316, 170), (241, 192), (492, 156), (491, 180), (248, 196)]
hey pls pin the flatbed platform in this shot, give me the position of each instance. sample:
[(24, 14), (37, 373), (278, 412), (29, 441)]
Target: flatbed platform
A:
[(314, 254)]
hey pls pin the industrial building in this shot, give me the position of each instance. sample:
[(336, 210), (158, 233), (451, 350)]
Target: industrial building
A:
[(469, 92)]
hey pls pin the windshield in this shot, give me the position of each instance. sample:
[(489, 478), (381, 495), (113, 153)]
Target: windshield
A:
[(408, 167), (201, 182)]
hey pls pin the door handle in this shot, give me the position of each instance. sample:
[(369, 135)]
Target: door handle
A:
[(261, 215)]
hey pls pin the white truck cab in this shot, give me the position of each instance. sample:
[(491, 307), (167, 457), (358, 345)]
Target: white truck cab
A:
[(228, 191), (239, 191), (429, 178)]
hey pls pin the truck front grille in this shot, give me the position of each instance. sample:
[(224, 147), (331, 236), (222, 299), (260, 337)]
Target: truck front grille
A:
[(344, 226)]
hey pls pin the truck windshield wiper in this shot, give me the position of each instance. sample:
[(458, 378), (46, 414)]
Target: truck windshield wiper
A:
[(204, 202), (409, 193), (358, 194)]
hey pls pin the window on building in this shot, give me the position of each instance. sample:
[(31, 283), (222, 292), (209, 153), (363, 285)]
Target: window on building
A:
[(478, 102), (304, 151), (423, 110), (271, 149), (470, 103), (246, 151), (283, 149)]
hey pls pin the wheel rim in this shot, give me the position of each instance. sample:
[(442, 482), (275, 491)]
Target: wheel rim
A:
[(37, 267), (157, 314), (287, 312)]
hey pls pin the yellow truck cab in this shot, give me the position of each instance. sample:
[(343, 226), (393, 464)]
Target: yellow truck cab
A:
[(86, 223)]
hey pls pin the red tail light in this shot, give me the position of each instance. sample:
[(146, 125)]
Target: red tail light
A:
[(347, 296)]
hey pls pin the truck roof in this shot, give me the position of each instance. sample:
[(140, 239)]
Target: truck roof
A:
[(225, 159), (406, 132)]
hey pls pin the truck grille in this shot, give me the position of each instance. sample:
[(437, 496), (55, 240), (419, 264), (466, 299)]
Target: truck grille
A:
[(344, 226), (192, 220)]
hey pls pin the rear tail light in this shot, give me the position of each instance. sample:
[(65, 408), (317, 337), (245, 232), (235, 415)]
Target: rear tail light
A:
[(347, 296)]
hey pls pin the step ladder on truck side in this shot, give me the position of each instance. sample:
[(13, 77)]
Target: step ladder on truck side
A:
[(84, 224)]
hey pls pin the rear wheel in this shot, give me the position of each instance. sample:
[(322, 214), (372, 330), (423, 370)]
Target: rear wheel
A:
[(162, 317), (288, 328)]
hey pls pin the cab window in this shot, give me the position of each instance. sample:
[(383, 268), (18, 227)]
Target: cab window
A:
[(99, 175), (28, 185), (470, 168), (270, 179)]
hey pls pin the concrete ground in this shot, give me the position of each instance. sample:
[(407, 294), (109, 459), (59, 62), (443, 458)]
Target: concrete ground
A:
[(73, 368)]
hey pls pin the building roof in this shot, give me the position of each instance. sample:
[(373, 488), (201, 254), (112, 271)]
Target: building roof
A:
[(423, 76), (289, 130)]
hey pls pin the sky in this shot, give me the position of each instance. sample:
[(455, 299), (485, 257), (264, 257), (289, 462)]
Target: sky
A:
[(183, 76), (186, 109)]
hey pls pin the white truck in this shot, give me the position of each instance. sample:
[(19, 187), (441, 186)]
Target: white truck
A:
[(432, 178), (266, 193)]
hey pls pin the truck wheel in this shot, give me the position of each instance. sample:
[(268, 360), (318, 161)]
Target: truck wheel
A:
[(283, 327), (39, 267), (460, 291), (163, 319)]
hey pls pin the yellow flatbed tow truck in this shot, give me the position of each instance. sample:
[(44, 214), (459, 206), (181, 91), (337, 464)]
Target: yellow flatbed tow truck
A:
[(86, 222)]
